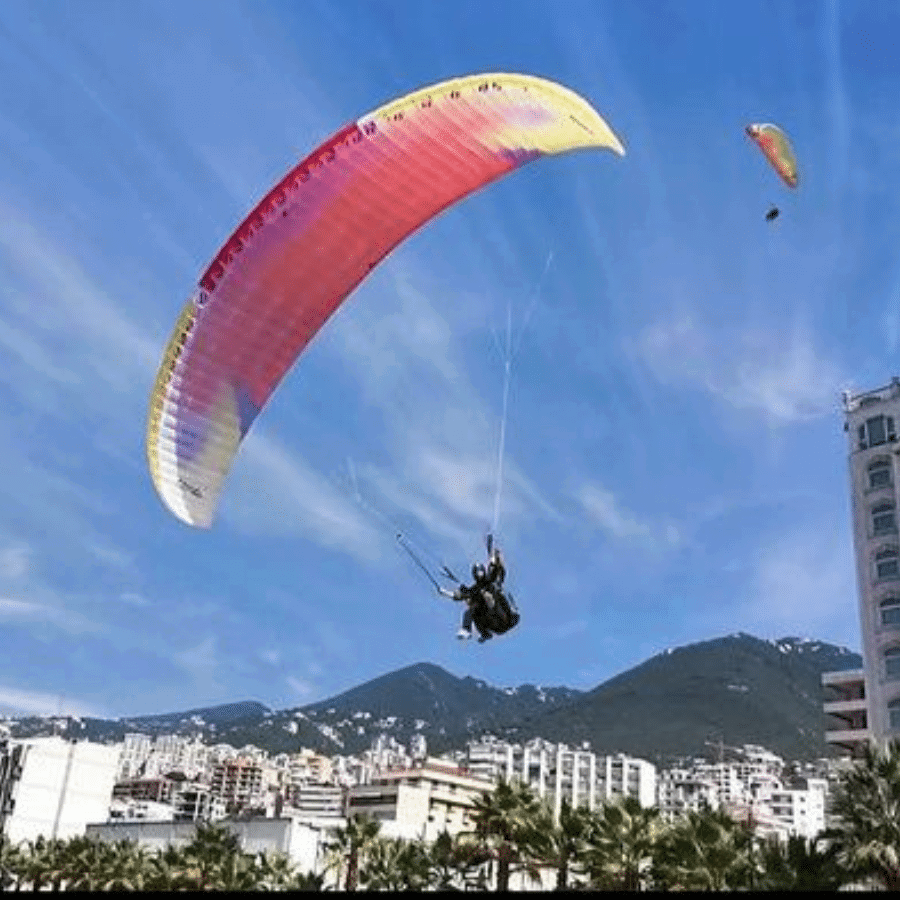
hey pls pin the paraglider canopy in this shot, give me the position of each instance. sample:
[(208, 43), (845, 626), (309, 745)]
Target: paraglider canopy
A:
[(314, 237), (775, 145)]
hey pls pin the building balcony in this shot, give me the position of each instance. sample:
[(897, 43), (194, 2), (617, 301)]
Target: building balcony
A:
[(847, 737), (839, 707)]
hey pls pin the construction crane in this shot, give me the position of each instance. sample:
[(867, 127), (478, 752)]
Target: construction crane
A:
[(721, 746)]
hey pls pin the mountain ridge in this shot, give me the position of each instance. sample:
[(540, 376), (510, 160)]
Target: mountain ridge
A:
[(737, 689)]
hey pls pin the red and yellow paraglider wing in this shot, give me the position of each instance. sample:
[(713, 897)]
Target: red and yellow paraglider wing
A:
[(777, 148), (314, 237)]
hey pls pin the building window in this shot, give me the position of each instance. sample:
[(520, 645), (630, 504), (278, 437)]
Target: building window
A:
[(883, 519), (892, 663), (887, 563), (877, 430), (879, 473), (890, 611), (894, 714)]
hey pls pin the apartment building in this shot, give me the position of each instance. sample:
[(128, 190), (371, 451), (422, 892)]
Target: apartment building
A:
[(421, 801), (680, 790), (870, 423), (557, 772), (53, 787), (847, 722), (245, 783), (315, 801), (303, 843)]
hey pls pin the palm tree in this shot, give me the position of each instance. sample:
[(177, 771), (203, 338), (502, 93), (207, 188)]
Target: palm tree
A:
[(84, 864), (350, 844), (166, 870), (11, 858), (563, 843), (507, 817), (452, 859), (798, 864), (395, 864), (128, 866), (306, 881), (211, 858), (866, 834), (274, 871), (38, 863), (622, 841), (706, 851)]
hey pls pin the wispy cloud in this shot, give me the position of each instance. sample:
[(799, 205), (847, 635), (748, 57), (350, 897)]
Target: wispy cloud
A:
[(270, 656), (274, 491), (411, 360), (14, 701), (301, 688), (15, 562), (777, 374), (201, 661), (802, 582), (568, 629), (39, 613), (605, 511), (86, 340)]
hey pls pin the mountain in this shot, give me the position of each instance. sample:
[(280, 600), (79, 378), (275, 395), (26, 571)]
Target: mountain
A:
[(737, 689), (426, 699)]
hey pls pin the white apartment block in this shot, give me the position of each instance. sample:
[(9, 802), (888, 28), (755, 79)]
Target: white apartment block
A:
[(845, 710), (625, 776), (682, 790), (420, 802), (871, 425), (305, 767), (53, 787), (136, 748), (303, 843), (245, 783), (130, 810), (750, 789), (729, 787), (800, 810), (146, 757), (314, 802), (557, 772)]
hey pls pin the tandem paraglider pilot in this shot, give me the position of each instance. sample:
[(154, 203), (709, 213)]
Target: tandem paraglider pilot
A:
[(487, 606)]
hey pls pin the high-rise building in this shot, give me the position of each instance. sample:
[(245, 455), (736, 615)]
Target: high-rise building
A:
[(871, 425), (52, 787)]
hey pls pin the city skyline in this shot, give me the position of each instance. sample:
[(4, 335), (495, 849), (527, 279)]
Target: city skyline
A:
[(675, 466)]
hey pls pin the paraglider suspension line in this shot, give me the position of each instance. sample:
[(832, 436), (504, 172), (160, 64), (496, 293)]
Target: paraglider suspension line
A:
[(509, 353), (446, 572)]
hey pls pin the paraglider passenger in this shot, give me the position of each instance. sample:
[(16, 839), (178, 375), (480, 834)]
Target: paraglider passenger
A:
[(475, 602)]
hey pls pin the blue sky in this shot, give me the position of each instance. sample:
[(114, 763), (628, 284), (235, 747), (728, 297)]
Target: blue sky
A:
[(675, 464)]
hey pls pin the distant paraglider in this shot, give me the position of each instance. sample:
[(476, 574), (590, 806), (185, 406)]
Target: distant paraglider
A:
[(777, 148)]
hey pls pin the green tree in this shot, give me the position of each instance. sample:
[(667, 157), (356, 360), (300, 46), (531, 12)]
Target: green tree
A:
[(274, 872), (351, 843), (11, 862), (507, 820), (563, 843), (622, 840), (797, 864), (703, 851), (395, 864), (212, 860), (866, 834), (453, 860)]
